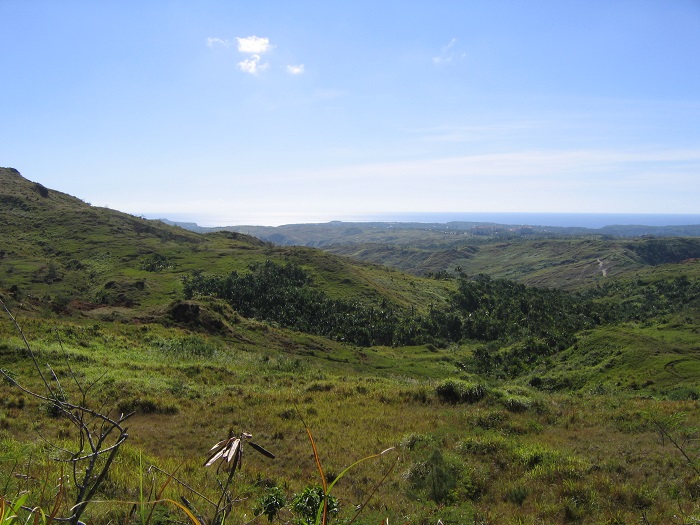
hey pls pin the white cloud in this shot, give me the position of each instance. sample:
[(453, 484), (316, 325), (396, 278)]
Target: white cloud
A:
[(252, 65), (212, 41), (253, 44), (447, 53), (295, 70), (449, 46)]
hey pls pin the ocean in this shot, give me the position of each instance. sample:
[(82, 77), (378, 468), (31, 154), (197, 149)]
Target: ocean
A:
[(583, 220)]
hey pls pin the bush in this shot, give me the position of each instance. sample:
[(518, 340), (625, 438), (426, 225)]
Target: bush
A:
[(413, 441), (146, 405), (436, 478), (458, 391), (307, 504), (485, 445), (271, 502), (192, 346), (517, 403), (516, 494), (489, 419), (156, 263)]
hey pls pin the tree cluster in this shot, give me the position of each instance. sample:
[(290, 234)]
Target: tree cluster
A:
[(519, 324)]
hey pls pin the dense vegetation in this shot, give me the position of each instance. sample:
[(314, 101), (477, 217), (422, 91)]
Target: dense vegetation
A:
[(555, 384), (481, 309), (283, 294), (522, 323)]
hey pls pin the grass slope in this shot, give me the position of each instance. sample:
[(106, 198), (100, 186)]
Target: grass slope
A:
[(569, 263), (541, 256), (59, 250)]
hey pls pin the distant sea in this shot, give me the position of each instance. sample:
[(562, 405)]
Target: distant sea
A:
[(582, 220)]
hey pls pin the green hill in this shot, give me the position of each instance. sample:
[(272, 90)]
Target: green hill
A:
[(574, 401), (60, 251), (571, 258)]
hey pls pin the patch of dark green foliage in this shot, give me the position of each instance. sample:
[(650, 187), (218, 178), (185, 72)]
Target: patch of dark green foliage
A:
[(520, 325), (458, 391)]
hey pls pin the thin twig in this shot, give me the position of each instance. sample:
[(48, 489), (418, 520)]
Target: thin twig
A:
[(188, 487)]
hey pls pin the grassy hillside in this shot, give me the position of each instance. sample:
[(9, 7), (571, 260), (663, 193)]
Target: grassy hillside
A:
[(61, 251), (436, 234), (542, 256), (522, 405)]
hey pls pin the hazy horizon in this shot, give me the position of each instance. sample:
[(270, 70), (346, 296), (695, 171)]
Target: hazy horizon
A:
[(583, 220)]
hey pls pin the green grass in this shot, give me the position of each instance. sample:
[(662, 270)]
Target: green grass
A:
[(60, 250), (520, 452), (570, 440), (655, 359)]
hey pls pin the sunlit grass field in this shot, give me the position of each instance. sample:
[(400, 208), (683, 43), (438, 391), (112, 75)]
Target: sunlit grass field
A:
[(517, 454)]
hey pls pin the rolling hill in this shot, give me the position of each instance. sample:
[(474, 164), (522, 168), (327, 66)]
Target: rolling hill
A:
[(572, 401), (58, 250), (568, 258)]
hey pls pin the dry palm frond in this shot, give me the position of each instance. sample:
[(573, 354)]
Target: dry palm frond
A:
[(262, 450), (230, 450)]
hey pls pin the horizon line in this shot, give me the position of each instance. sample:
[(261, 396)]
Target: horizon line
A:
[(590, 220)]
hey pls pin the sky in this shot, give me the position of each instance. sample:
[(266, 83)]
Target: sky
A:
[(275, 112)]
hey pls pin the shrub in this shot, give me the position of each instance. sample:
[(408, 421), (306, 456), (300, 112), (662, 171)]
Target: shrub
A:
[(436, 477), (692, 486), (319, 387), (146, 405), (516, 403), (288, 413), (532, 455), (306, 505), (192, 346), (485, 445), (516, 494), (270, 502), (156, 263), (489, 419), (413, 440), (458, 391)]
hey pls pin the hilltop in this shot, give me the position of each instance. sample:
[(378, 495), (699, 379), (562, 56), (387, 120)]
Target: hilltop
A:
[(506, 402)]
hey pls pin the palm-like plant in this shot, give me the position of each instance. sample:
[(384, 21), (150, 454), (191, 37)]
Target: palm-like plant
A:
[(230, 452)]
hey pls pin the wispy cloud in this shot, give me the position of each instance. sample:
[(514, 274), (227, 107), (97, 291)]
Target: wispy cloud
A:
[(212, 42), (253, 44), (253, 65), (556, 181), (473, 133), (448, 53), (295, 70), (581, 181)]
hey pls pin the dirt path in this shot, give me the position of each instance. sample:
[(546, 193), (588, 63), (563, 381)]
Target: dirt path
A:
[(602, 268), (671, 367)]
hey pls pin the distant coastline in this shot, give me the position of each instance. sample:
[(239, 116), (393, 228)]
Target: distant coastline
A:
[(558, 220), (565, 220)]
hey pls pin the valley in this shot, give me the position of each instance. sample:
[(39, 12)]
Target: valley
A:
[(524, 377)]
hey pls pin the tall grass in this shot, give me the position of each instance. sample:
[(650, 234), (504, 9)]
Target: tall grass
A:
[(587, 457)]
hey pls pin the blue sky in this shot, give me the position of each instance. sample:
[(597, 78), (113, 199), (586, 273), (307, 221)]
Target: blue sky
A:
[(228, 112)]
